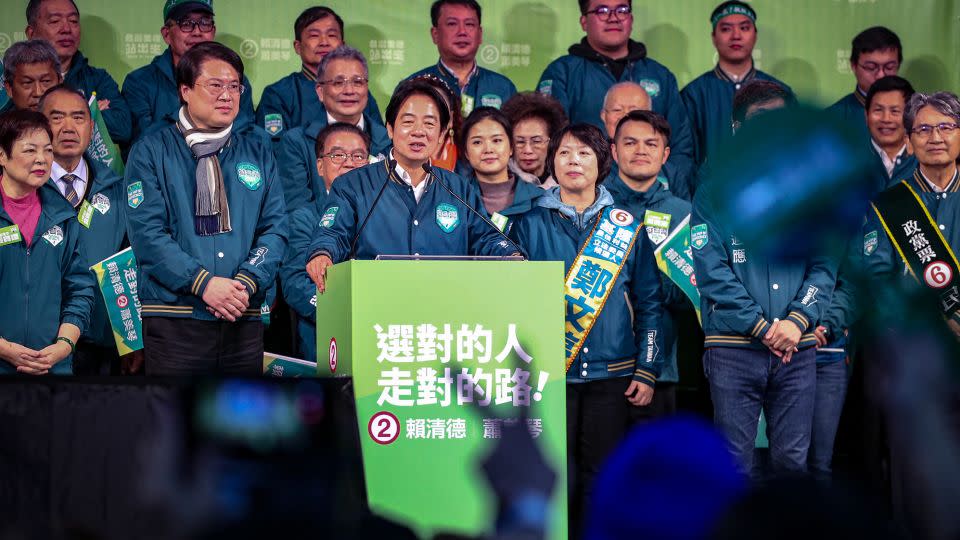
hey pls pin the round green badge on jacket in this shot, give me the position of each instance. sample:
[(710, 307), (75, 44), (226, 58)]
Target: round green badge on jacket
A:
[(249, 175)]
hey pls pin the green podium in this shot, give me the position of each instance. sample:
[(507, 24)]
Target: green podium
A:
[(442, 355)]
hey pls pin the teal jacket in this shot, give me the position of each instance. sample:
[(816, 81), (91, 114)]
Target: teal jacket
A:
[(105, 236), (851, 108), (399, 225), (903, 169), (580, 81), (175, 262), (741, 292), (625, 339), (486, 88), (89, 79), (154, 100), (292, 102), (525, 197), (709, 102), (297, 155), (46, 284), (658, 199), (299, 291)]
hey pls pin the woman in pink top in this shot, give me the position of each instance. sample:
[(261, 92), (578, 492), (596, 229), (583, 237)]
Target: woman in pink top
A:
[(46, 289)]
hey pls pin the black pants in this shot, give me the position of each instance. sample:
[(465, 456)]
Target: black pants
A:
[(597, 418), (180, 347), (90, 359), (664, 403)]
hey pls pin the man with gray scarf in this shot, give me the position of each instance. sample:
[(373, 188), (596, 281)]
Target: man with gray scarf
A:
[(207, 224)]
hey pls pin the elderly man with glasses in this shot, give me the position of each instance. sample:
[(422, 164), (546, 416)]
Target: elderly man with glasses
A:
[(151, 91), (606, 56), (342, 90)]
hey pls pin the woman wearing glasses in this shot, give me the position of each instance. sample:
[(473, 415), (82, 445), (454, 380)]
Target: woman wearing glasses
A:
[(207, 223), (43, 273), (535, 118), (486, 145)]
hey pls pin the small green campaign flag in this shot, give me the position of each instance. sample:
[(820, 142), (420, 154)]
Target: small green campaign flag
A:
[(675, 259), (102, 147), (276, 365), (117, 280)]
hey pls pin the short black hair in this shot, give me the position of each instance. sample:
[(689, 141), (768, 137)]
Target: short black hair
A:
[(312, 15), (657, 122), (188, 68), (479, 115), (62, 88), (758, 91), (17, 123), (435, 9), (585, 5), (534, 105), (33, 10), (589, 135), (875, 38), (339, 127), (890, 83), (412, 87)]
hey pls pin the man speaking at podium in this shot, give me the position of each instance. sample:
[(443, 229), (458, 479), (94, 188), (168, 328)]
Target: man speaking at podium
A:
[(403, 206)]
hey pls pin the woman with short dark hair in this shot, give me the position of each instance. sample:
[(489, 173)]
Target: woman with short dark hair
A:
[(47, 289), (612, 296)]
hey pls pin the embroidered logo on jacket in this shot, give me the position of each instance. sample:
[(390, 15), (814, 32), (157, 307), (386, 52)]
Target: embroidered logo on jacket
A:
[(249, 175), (54, 235), (447, 217), (135, 194), (273, 123), (698, 236), (329, 216)]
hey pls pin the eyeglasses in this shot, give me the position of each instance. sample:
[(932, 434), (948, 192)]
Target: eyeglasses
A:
[(622, 11), (216, 89), (187, 25), (534, 142), (924, 131), (340, 83), (340, 157), (889, 67)]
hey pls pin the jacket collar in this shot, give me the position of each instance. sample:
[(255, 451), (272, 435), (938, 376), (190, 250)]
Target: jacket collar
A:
[(100, 177), (551, 200), (635, 51), (164, 63), (78, 64), (924, 184), (722, 75)]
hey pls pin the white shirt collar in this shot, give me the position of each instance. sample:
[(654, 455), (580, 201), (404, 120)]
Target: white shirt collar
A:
[(935, 188), (332, 120), (888, 163), (81, 172), (407, 179)]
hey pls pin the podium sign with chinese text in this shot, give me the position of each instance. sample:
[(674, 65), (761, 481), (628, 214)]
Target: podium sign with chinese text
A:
[(442, 354)]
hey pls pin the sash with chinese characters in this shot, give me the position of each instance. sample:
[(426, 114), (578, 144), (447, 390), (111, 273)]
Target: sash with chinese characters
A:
[(918, 240), (593, 273)]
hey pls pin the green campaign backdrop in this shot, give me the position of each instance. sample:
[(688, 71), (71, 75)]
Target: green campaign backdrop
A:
[(806, 43)]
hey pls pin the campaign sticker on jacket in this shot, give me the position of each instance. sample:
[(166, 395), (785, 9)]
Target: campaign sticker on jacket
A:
[(101, 202), (54, 235), (698, 236), (135, 194), (273, 123), (657, 224), (491, 100), (447, 217), (466, 105), (85, 214), (652, 86), (869, 243), (10, 235), (545, 87), (329, 216), (249, 175)]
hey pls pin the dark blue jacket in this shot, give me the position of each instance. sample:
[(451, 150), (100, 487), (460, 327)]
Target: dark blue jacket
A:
[(525, 197), (297, 156), (106, 235), (175, 262), (154, 100), (709, 102), (883, 259), (46, 284), (619, 335), (904, 166), (294, 98), (659, 199), (486, 88), (299, 290), (399, 225), (741, 292), (580, 81), (851, 109), (83, 76)]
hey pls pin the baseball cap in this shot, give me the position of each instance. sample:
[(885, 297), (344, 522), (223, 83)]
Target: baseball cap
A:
[(175, 9)]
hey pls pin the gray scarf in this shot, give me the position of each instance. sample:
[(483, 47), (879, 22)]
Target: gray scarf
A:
[(211, 211)]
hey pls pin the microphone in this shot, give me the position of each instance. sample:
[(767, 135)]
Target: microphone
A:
[(353, 243), (429, 170)]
